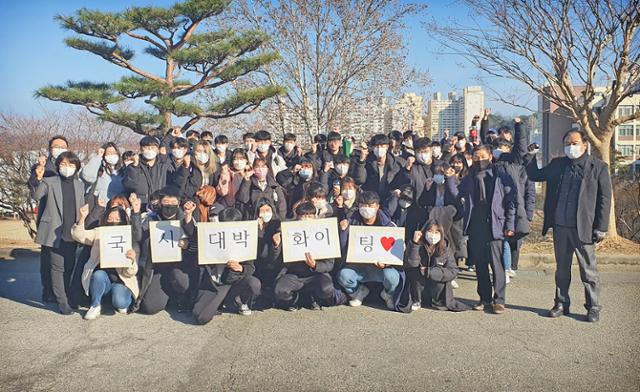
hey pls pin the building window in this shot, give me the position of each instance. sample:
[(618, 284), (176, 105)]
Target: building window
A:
[(625, 130), (625, 110)]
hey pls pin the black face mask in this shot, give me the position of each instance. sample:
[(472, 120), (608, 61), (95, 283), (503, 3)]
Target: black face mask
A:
[(169, 211), (112, 224)]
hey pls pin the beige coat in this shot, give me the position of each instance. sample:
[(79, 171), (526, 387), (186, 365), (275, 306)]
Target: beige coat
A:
[(88, 237)]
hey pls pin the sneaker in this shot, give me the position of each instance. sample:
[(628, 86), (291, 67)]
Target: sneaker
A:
[(507, 278), (471, 268), (359, 296), (244, 310), (454, 284), (481, 306), (498, 308), (511, 273), (315, 305), (388, 300), (415, 306), (292, 308), (93, 313), (122, 311)]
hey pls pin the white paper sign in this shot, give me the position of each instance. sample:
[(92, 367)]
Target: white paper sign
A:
[(316, 236), (163, 238), (372, 244), (219, 242), (115, 241)]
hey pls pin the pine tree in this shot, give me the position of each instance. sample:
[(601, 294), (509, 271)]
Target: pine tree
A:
[(211, 62)]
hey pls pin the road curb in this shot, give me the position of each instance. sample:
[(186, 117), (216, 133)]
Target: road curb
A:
[(548, 260)]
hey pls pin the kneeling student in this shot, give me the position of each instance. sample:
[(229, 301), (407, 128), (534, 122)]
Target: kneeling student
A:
[(233, 281), (308, 278), (430, 269), (98, 282)]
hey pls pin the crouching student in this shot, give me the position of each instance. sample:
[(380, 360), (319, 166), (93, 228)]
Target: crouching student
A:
[(353, 276), (97, 282), (269, 261), (306, 282), (232, 283), (431, 268)]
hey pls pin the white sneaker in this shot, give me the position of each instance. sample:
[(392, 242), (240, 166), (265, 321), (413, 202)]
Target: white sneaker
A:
[(122, 311), (388, 300), (93, 313), (359, 296), (511, 273), (415, 306), (507, 278), (244, 310), (454, 284)]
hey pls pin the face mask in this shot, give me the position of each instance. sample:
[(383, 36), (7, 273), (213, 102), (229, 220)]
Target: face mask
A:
[(149, 154), (266, 216), (380, 151), (423, 157), (127, 163), (438, 178), (263, 147), (483, 164), (239, 165), (573, 151), (469, 163), (221, 147), (367, 212), (305, 173), (497, 153), (437, 152), (349, 194), (289, 146), (408, 143), (168, 211), (342, 169), (248, 146), (55, 152), (202, 157), (404, 204), (461, 143), (178, 153), (111, 159), (432, 238), (67, 171), (320, 204), (112, 224), (261, 172)]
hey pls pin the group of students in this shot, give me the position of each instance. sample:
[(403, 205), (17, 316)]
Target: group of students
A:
[(465, 199)]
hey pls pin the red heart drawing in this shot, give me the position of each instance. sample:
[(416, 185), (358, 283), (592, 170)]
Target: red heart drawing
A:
[(387, 242)]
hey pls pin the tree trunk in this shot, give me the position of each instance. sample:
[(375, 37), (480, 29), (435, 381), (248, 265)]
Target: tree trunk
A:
[(605, 155)]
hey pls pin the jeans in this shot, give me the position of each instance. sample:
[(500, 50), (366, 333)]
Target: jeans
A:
[(350, 277), (101, 285), (506, 255)]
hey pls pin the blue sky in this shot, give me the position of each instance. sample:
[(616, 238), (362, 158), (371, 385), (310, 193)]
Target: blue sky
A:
[(35, 54)]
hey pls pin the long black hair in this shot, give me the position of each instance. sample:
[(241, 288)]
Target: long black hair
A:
[(105, 166)]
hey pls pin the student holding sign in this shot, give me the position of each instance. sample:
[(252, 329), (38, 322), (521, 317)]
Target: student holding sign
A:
[(232, 282), (353, 276), (309, 278), (430, 269), (98, 278)]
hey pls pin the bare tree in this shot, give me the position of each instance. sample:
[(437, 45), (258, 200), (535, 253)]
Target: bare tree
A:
[(331, 52), (563, 50)]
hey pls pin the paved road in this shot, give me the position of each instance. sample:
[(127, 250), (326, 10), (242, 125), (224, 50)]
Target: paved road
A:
[(340, 349)]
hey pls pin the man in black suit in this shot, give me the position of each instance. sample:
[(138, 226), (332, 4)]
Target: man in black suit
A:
[(577, 205)]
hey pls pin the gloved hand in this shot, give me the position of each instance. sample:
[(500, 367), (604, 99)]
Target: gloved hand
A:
[(533, 148)]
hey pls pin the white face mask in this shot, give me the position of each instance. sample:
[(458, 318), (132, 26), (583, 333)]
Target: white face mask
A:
[(289, 146), (111, 159), (469, 162), (342, 169), (380, 151), (221, 148), (178, 153), (432, 238), (67, 171), (461, 143), (263, 147), (320, 204), (55, 152), (367, 212), (497, 153), (240, 165), (306, 173), (404, 203), (438, 178), (149, 154), (573, 151), (424, 158), (408, 143), (266, 216), (349, 194), (202, 157), (437, 152)]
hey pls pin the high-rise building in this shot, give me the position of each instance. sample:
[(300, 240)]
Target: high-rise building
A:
[(405, 115), (454, 113)]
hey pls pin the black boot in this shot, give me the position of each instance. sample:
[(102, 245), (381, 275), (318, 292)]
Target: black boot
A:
[(593, 316), (558, 310)]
